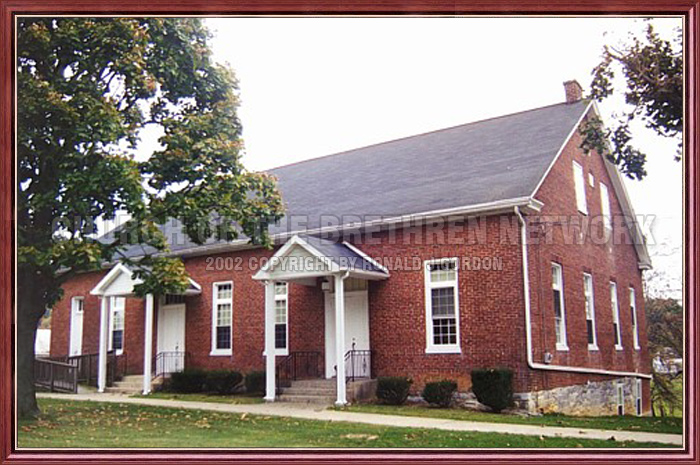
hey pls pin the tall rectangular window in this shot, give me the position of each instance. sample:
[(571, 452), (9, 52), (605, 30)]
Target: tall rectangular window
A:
[(559, 310), (605, 207), (633, 311), (580, 187), (590, 311), (441, 300), (281, 315), (638, 396), (116, 340), (222, 317), (616, 316)]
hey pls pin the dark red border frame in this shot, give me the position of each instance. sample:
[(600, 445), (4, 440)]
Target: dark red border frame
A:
[(10, 8)]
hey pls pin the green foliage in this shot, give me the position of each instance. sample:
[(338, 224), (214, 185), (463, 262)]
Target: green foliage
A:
[(665, 335), (393, 390), (440, 393), (255, 382), (188, 381), (222, 381), (653, 71), (86, 88), (493, 387)]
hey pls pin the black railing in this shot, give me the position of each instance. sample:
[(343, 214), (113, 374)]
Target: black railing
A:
[(358, 364), (88, 366), (165, 363), (55, 376), (298, 365)]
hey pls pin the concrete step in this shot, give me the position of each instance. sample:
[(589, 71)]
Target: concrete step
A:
[(304, 391), (303, 399), (119, 390), (314, 383)]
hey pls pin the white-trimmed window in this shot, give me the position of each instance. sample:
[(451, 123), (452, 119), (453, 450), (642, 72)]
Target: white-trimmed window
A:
[(638, 397), (281, 318), (620, 398), (559, 309), (442, 306), (580, 186), (635, 326), (222, 318), (605, 207), (616, 315), (590, 311), (116, 324)]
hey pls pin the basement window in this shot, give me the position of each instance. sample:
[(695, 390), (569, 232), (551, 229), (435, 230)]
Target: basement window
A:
[(620, 398), (441, 306)]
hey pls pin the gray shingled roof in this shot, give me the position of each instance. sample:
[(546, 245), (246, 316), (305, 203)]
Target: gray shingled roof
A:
[(341, 254), (486, 161)]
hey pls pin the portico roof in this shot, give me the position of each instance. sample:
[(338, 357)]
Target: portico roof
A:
[(120, 282), (305, 256)]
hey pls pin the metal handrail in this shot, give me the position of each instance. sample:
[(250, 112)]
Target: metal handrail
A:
[(167, 362), (297, 365), (360, 364), (56, 376)]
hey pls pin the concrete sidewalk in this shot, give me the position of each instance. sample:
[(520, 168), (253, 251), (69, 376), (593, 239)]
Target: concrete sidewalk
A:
[(320, 413)]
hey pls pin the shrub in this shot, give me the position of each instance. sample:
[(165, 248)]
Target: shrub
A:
[(255, 382), (222, 381), (393, 390), (187, 381), (493, 387), (440, 393)]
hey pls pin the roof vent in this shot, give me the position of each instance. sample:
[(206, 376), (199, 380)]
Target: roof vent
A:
[(573, 90)]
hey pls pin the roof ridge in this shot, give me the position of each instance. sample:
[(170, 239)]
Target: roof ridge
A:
[(344, 152)]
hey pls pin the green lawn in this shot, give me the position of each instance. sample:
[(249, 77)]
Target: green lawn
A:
[(629, 423), (94, 424), (232, 399)]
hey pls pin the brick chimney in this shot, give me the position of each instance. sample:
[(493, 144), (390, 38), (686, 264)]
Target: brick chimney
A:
[(573, 90)]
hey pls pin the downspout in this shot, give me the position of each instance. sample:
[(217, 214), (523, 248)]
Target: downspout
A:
[(528, 326)]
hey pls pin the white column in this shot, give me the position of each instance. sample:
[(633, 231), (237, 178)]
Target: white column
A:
[(270, 341), (340, 338), (148, 345), (102, 359)]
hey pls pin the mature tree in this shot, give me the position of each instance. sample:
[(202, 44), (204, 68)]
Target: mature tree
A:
[(665, 333), (652, 68), (86, 87)]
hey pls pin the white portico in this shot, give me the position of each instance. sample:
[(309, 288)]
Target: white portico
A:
[(303, 260), (118, 284)]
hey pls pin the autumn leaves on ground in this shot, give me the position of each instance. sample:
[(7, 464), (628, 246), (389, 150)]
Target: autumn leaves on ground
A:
[(101, 425)]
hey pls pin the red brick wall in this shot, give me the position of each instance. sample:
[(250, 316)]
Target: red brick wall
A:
[(491, 307), (605, 262)]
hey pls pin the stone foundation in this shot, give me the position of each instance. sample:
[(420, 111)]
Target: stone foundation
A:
[(591, 399)]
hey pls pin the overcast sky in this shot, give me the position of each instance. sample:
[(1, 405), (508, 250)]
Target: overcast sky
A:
[(316, 86)]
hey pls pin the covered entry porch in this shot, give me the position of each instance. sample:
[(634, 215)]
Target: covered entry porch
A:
[(113, 289), (344, 271)]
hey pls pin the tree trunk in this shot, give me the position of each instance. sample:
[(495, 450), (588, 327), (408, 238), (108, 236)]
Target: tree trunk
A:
[(30, 308)]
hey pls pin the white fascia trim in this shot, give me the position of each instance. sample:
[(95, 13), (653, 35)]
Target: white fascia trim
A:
[(264, 272), (561, 149), (623, 197), (99, 289), (498, 206), (528, 326), (365, 256), (195, 284)]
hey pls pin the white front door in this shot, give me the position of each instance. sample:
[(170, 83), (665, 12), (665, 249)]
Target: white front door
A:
[(356, 326), (76, 326), (171, 338)]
